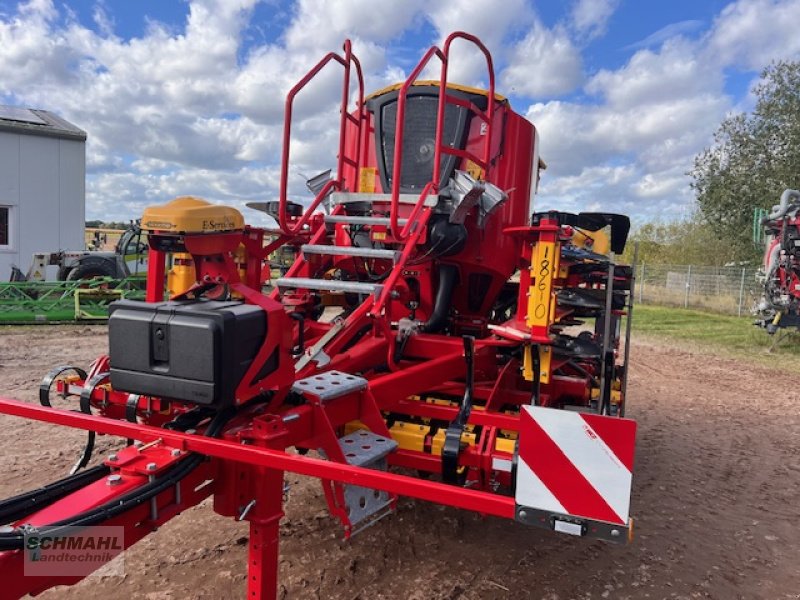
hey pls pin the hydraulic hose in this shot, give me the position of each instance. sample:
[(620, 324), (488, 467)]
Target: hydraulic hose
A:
[(15, 540), (448, 278), (779, 211), (13, 509)]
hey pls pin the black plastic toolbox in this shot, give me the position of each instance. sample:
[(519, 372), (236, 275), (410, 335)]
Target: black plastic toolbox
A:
[(195, 350)]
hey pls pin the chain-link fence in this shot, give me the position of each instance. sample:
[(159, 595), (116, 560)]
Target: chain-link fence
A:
[(730, 290)]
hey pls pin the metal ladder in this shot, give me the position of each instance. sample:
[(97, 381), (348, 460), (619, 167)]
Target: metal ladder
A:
[(405, 233), (378, 293)]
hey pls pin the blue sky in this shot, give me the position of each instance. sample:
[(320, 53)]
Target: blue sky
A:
[(186, 96)]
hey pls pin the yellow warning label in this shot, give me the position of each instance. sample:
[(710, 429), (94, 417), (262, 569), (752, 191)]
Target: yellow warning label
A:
[(366, 180), (540, 301)]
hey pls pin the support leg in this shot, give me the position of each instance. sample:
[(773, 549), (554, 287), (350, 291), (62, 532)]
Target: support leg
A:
[(262, 564)]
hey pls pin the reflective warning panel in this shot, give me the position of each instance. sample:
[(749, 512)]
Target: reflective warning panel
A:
[(576, 465)]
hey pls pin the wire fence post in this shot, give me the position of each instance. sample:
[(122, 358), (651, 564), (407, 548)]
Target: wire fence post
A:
[(641, 285), (741, 292), (688, 286)]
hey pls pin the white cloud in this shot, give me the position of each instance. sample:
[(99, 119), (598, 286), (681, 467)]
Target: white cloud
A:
[(184, 108), (179, 105), (631, 147), (492, 22), (631, 144), (752, 33), (544, 63), (674, 72), (590, 17), (667, 32), (325, 23)]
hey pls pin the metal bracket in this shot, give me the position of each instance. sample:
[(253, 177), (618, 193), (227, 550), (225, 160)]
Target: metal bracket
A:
[(313, 352), (572, 525)]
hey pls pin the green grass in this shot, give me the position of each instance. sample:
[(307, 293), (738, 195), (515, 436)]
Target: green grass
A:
[(736, 336)]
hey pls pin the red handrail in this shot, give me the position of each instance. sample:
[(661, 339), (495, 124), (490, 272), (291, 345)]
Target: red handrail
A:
[(433, 186), (346, 61)]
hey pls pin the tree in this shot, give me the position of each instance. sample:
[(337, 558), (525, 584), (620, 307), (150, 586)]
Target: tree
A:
[(753, 159), (690, 241)]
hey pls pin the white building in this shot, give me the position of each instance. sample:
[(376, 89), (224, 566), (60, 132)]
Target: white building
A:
[(42, 186)]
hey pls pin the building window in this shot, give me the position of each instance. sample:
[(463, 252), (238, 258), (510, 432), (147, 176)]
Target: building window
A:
[(5, 232)]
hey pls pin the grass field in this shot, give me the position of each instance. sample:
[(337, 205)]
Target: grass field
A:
[(734, 335)]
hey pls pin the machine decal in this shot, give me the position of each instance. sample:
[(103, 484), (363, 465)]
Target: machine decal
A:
[(576, 464)]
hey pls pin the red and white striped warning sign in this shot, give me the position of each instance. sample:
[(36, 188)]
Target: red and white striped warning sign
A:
[(575, 464)]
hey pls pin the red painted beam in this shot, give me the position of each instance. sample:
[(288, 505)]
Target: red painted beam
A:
[(474, 500)]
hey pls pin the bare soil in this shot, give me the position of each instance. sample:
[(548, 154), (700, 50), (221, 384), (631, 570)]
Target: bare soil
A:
[(716, 500)]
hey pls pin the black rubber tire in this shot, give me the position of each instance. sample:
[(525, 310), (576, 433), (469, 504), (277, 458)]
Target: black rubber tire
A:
[(92, 267)]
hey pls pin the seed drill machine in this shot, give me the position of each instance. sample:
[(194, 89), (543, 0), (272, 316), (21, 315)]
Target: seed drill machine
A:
[(435, 338)]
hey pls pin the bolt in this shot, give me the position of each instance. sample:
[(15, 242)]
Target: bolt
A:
[(176, 452), (113, 457), (615, 533), (114, 479), (151, 466), (523, 515)]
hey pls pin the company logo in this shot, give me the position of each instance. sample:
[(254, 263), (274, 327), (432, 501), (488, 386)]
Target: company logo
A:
[(158, 225), (73, 551), (221, 225)]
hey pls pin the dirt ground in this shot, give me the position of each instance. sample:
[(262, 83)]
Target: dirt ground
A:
[(716, 500)]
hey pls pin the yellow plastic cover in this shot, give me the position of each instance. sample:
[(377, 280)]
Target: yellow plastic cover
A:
[(436, 83), (188, 214)]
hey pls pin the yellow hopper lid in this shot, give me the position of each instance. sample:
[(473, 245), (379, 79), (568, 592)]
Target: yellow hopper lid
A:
[(188, 214)]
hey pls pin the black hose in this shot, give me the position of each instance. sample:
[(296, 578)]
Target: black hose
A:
[(13, 509), (118, 506), (448, 278)]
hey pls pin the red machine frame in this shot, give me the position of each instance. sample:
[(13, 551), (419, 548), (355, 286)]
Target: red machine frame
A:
[(248, 458)]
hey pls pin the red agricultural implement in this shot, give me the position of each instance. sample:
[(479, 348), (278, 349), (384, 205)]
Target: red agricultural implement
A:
[(431, 324), (780, 272)]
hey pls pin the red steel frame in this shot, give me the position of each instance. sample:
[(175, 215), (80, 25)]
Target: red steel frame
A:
[(264, 464), (248, 461)]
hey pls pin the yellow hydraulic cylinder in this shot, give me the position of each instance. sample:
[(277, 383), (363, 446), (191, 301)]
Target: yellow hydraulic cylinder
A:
[(182, 275)]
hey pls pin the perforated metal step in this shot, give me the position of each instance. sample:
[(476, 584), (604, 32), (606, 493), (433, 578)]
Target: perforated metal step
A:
[(351, 197), (366, 506), (363, 448), (350, 251), (330, 384), (353, 220), (331, 285)]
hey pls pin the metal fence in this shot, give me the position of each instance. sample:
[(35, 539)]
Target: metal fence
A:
[(729, 290)]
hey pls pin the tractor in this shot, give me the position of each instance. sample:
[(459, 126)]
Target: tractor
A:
[(128, 259)]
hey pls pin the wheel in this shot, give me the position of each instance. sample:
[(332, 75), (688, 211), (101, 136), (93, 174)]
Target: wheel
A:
[(92, 267)]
